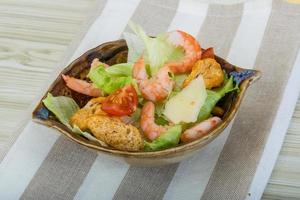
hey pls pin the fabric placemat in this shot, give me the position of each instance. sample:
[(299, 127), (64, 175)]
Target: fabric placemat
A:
[(260, 34)]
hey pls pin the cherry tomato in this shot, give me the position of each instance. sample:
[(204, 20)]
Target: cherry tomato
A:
[(122, 102)]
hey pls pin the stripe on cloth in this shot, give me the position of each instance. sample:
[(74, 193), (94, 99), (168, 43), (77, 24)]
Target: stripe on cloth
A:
[(195, 173), (102, 180), (252, 28), (154, 16), (276, 137), (189, 16), (219, 28), (109, 25), (24, 158), (234, 171), (62, 172), (156, 182), (147, 183)]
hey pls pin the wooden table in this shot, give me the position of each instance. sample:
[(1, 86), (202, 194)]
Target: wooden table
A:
[(34, 35)]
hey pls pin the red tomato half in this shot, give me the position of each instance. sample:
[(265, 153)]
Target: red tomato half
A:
[(122, 102)]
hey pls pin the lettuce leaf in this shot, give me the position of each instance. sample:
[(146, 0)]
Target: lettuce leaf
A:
[(157, 51), (135, 46), (213, 96), (109, 80), (166, 140), (161, 120), (64, 108), (121, 69)]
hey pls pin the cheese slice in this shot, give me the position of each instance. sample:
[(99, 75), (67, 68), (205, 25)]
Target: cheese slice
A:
[(186, 105)]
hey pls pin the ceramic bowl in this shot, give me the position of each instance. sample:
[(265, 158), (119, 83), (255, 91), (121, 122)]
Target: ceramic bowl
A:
[(116, 52)]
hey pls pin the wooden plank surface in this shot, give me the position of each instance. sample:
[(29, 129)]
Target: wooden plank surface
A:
[(34, 35)]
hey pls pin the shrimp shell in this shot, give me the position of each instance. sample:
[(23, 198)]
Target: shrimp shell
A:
[(150, 129), (191, 48), (81, 86), (200, 130), (156, 88)]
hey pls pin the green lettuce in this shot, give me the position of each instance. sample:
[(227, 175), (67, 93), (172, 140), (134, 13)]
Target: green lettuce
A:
[(166, 140), (121, 69), (161, 120), (157, 50), (64, 108), (213, 96), (112, 78), (135, 46)]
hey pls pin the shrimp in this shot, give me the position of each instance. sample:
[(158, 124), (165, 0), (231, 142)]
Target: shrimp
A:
[(139, 71), (200, 130), (150, 129), (191, 48), (156, 88), (81, 86)]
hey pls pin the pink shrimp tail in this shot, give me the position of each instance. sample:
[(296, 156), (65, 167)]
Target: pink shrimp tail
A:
[(150, 129), (200, 130), (139, 70), (192, 50), (81, 86)]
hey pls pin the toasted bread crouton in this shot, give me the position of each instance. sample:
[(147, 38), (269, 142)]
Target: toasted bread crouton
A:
[(80, 118), (115, 133), (211, 71), (93, 107)]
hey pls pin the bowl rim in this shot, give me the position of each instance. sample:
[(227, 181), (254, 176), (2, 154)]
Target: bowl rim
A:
[(147, 154)]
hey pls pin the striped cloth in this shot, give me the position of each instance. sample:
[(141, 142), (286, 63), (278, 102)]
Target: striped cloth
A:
[(260, 34)]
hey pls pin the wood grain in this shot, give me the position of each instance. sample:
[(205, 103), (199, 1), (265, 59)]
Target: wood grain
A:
[(33, 37)]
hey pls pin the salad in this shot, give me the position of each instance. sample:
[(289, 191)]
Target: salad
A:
[(166, 94)]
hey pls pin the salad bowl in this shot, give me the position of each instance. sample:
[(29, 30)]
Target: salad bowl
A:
[(116, 52)]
